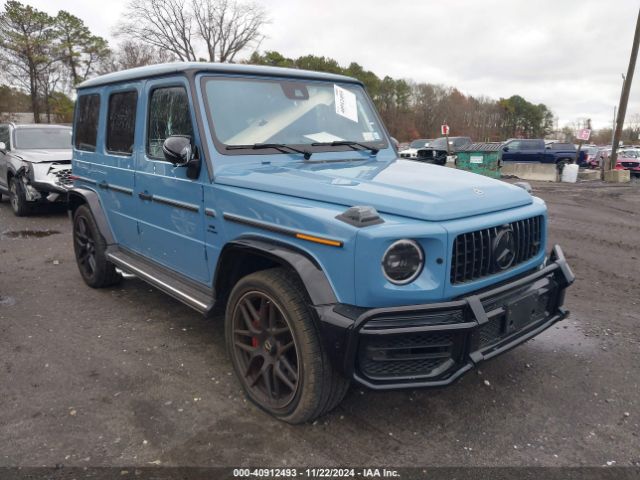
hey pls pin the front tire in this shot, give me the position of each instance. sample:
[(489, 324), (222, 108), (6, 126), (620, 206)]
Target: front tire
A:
[(90, 249), (276, 351), (18, 198)]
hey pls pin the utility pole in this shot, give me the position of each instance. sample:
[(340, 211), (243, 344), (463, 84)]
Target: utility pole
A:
[(624, 99)]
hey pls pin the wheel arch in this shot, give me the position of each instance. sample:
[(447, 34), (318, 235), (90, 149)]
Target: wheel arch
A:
[(247, 255), (84, 196)]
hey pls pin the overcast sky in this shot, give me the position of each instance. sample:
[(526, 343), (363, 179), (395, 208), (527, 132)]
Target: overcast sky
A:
[(567, 54)]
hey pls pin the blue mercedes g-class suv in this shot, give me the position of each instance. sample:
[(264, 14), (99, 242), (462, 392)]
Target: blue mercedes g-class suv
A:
[(277, 195)]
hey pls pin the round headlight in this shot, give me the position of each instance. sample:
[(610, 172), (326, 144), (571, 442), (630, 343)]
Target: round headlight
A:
[(402, 262)]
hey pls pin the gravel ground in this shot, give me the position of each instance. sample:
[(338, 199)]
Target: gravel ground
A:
[(128, 376)]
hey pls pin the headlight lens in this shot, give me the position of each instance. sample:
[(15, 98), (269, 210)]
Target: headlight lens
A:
[(402, 262)]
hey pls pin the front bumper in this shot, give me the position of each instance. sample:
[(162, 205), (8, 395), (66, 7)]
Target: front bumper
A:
[(48, 178), (432, 345)]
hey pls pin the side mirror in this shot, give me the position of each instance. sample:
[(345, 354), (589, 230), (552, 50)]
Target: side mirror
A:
[(505, 149), (177, 150), (3, 146), (547, 147)]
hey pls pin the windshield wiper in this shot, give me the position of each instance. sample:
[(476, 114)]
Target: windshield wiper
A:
[(282, 147), (347, 143)]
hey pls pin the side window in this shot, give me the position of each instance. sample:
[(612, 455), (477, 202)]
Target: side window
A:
[(514, 145), (4, 136), (121, 122), (168, 115), (86, 122)]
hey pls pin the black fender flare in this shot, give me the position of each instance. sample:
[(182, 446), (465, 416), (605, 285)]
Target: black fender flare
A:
[(310, 272), (78, 196)]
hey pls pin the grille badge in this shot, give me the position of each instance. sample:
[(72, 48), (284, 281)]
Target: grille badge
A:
[(504, 248)]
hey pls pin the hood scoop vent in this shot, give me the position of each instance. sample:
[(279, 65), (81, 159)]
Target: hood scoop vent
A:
[(361, 216)]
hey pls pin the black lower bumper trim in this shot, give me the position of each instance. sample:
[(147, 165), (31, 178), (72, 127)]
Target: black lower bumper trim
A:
[(432, 345)]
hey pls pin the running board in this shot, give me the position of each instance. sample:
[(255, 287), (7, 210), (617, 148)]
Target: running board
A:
[(195, 296)]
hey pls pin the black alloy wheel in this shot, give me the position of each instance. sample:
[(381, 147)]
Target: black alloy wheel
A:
[(85, 247), (265, 350)]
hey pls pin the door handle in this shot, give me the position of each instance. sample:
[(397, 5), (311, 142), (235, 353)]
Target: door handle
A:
[(145, 196)]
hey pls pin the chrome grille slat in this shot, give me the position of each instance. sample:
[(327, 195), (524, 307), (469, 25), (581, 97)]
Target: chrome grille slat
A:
[(472, 256)]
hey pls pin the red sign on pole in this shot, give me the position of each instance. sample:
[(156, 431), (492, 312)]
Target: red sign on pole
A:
[(444, 129), (584, 134)]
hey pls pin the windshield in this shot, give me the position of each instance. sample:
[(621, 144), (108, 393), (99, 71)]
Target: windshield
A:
[(440, 143), (43, 138), (250, 111), (629, 153), (418, 143)]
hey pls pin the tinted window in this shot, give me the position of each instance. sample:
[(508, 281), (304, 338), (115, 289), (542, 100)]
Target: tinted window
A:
[(86, 122), (47, 138), (514, 145), (168, 115), (4, 136), (563, 146), (530, 145), (121, 122)]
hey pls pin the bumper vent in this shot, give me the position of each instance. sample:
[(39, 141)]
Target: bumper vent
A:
[(480, 254), (418, 354)]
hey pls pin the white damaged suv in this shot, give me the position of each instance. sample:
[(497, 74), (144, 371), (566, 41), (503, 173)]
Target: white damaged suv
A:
[(35, 164)]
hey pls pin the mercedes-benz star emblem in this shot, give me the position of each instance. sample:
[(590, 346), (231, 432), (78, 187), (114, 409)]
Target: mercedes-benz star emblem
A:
[(504, 248)]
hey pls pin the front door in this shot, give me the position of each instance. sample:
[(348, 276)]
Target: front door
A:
[(170, 205)]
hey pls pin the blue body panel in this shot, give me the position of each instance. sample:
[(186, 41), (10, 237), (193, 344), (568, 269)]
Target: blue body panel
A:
[(430, 204)]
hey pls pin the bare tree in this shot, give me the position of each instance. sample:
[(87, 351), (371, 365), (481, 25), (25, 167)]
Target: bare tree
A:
[(166, 24), (222, 27), (228, 27), (131, 54)]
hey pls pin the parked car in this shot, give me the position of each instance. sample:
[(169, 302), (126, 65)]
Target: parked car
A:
[(412, 150), (591, 155), (629, 159), (35, 164), (436, 152), (535, 150), (276, 196)]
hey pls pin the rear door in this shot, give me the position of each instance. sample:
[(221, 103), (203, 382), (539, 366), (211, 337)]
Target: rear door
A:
[(104, 154), (169, 204)]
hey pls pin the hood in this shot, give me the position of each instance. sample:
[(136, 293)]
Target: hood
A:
[(38, 155), (401, 187)]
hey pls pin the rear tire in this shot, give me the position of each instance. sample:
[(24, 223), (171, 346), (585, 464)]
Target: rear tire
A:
[(18, 199), (90, 249), (276, 351)]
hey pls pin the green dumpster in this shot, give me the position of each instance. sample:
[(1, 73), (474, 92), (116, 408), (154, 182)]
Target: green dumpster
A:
[(482, 158)]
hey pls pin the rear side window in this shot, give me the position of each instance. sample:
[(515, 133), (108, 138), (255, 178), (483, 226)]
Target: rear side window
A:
[(168, 115), (121, 122), (563, 146), (86, 122)]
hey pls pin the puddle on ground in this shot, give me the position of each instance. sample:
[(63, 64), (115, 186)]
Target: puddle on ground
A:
[(7, 301), (28, 233), (564, 336)]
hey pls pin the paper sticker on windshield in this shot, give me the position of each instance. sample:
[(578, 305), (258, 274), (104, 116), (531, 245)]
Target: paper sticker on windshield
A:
[(323, 137), (346, 104), (370, 136)]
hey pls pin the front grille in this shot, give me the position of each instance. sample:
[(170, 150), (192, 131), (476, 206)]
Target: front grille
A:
[(473, 255), (630, 164), (63, 177), (414, 354)]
